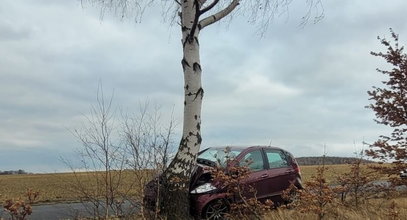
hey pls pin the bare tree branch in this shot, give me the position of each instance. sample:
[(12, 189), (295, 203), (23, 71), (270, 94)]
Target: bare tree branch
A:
[(176, 1), (209, 7), (314, 7), (219, 15), (196, 20)]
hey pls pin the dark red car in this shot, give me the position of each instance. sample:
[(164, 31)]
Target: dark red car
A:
[(272, 171)]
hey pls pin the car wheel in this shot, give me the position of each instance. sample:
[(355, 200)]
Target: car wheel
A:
[(216, 210)]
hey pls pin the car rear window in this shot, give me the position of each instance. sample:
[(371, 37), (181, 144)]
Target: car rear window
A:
[(276, 159)]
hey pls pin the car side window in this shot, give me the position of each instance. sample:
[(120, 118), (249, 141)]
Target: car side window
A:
[(276, 159), (253, 160)]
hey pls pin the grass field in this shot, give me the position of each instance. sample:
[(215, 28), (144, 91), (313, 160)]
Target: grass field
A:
[(52, 187), (331, 173), (56, 187)]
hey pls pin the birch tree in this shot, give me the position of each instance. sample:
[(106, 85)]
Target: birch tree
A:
[(193, 16)]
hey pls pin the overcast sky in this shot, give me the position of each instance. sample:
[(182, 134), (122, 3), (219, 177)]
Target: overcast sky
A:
[(298, 88)]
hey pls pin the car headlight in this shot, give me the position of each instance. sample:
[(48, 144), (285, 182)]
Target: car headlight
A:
[(207, 187)]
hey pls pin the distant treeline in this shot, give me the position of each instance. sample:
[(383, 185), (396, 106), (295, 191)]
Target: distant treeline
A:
[(11, 172), (328, 160)]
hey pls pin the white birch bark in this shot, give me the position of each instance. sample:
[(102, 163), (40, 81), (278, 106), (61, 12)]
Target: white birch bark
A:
[(193, 93), (191, 10), (178, 174)]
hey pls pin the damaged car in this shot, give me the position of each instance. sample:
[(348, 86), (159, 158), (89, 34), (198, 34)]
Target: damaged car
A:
[(271, 171)]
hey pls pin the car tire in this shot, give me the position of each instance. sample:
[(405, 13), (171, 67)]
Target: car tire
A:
[(216, 210)]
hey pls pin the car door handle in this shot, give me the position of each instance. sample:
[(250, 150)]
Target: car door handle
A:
[(264, 176), (289, 171)]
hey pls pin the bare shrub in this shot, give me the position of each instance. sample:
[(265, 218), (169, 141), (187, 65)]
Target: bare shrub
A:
[(148, 146), (118, 157), (358, 182), (290, 196), (102, 159), (20, 209), (317, 194)]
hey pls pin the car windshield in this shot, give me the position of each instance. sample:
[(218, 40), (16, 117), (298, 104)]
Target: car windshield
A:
[(219, 155)]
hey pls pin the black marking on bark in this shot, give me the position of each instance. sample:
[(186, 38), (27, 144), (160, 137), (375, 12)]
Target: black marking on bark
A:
[(198, 126), (196, 67), (191, 35), (187, 87), (199, 92), (186, 40), (196, 117), (183, 143), (184, 163), (185, 64), (185, 102), (185, 28), (198, 136)]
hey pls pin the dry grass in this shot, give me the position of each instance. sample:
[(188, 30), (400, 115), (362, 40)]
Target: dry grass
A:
[(54, 187), (377, 209), (51, 186), (332, 172)]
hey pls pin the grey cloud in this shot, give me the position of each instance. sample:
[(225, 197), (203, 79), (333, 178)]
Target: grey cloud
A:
[(299, 88), (10, 33)]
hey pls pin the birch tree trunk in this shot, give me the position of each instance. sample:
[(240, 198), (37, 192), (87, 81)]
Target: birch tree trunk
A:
[(175, 196), (175, 201)]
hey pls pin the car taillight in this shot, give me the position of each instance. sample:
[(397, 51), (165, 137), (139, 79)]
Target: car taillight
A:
[(298, 170), (296, 167)]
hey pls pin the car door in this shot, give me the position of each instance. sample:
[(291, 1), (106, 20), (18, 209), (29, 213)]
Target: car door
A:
[(253, 184), (279, 172)]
